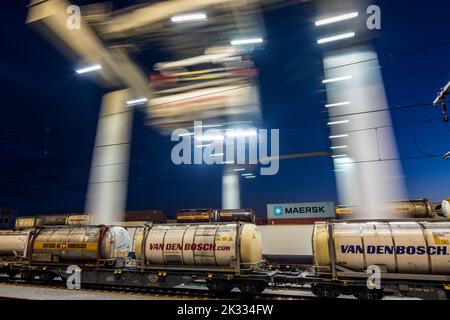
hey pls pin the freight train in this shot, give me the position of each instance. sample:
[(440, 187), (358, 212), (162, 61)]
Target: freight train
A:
[(215, 215), (53, 220), (411, 255), (224, 255), (416, 208)]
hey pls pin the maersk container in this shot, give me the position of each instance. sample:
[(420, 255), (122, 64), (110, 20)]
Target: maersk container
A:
[(420, 247), (233, 245), (287, 243)]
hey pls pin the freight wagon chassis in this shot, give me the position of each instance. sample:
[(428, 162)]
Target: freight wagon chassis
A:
[(332, 281), (355, 283), (217, 282)]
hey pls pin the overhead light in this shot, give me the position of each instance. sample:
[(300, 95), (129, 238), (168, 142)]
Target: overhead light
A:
[(339, 147), (338, 155), (217, 155), (247, 174), (228, 162), (336, 79), (238, 42), (342, 17), (338, 136), (250, 177), (338, 170), (239, 169), (135, 102), (186, 134), (209, 137), (94, 67), (241, 133), (203, 145), (337, 104), (446, 156), (338, 122), (189, 17), (336, 37), (208, 126)]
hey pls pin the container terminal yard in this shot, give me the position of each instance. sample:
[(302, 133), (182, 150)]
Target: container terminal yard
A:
[(222, 150)]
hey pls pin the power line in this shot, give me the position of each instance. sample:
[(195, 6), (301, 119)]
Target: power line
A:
[(392, 55), (391, 159)]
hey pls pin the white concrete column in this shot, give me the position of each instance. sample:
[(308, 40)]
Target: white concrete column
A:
[(108, 181), (230, 190), (368, 171)]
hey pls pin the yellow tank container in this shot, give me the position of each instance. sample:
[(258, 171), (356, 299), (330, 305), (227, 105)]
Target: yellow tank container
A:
[(29, 222), (78, 220), (55, 244)]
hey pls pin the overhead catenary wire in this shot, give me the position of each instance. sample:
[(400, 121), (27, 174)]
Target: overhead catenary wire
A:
[(398, 107), (152, 179)]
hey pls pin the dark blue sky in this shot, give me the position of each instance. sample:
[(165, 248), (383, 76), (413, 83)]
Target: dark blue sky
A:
[(49, 117)]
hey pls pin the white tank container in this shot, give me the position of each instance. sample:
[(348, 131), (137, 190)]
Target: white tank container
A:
[(13, 243), (81, 243), (396, 247), (446, 208), (201, 245)]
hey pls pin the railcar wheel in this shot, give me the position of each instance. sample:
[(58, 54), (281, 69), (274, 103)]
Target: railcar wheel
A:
[(27, 276), (219, 286), (325, 291), (45, 276), (252, 288), (227, 288), (366, 294)]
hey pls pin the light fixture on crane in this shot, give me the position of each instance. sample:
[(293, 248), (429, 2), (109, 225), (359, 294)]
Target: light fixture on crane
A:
[(441, 99), (446, 156)]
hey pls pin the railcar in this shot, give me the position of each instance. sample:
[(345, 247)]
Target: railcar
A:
[(409, 256), (222, 255)]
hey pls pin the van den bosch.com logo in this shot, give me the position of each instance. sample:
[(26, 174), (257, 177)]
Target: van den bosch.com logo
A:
[(398, 250)]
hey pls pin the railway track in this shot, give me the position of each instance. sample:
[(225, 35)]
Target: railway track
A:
[(173, 293), (11, 298)]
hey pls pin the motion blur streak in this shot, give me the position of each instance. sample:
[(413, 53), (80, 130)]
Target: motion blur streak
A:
[(363, 179), (108, 180), (372, 183)]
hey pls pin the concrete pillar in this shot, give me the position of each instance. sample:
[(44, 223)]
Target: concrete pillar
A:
[(230, 190), (108, 181), (370, 173)]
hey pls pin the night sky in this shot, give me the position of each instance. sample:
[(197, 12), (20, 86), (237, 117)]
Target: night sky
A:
[(49, 117)]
